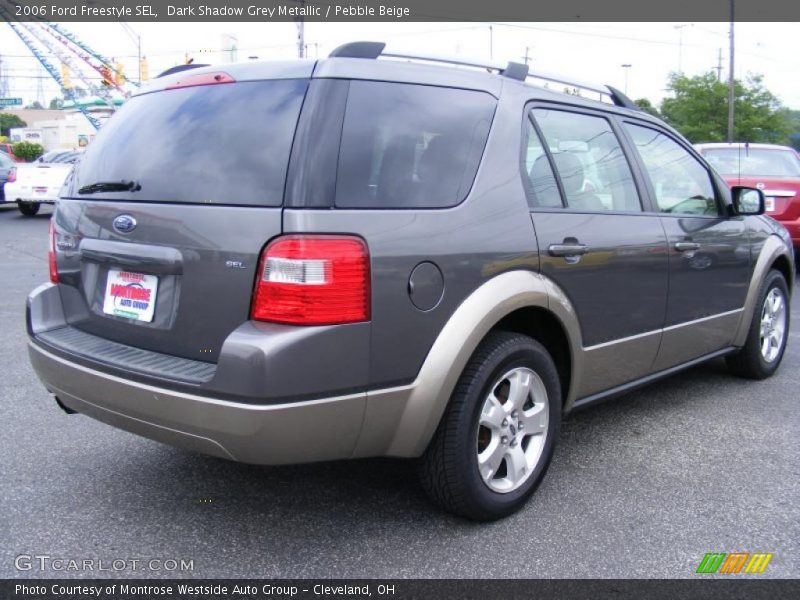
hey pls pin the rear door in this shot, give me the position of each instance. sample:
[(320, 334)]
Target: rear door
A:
[(597, 241), (709, 251), (159, 233)]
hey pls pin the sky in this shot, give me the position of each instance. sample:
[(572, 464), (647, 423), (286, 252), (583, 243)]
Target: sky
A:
[(587, 51)]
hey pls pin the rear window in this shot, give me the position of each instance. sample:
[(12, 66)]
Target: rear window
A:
[(410, 146), (215, 144), (753, 162)]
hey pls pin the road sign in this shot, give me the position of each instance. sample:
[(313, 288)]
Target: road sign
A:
[(10, 101)]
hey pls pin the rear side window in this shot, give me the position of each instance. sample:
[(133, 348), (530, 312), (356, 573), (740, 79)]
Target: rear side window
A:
[(594, 172), (214, 144), (410, 146), (540, 182)]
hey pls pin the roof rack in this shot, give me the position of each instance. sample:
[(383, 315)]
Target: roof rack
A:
[(512, 70)]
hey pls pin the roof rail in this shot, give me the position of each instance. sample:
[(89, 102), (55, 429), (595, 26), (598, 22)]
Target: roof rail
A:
[(376, 49), (512, 70), (179, 68)]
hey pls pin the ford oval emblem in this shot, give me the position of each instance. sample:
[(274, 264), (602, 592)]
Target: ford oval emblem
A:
[(124, 224)]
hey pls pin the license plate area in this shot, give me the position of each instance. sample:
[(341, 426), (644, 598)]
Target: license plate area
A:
[(130, 295)]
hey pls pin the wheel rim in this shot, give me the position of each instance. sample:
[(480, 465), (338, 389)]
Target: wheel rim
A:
[(773, 325), (512, 429)]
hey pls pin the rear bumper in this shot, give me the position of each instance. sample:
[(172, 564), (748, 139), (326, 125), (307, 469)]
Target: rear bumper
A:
[(15, 192), (315, 430), (256, 427)]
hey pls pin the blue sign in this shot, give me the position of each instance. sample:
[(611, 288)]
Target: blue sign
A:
[(10, 101)]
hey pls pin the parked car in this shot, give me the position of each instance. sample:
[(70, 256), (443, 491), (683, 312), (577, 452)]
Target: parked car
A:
[(39, 182), (6, 165), (8, 150), (393, 258), (773, 169)]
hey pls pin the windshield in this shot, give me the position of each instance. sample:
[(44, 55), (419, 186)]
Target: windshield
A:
[(754, 162), (213, 144)]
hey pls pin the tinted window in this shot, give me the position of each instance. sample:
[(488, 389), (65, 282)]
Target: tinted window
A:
[(410, 146), (589, 160), (754, 162), (6, 162), (218, 144), (681, 184), (541, 186)]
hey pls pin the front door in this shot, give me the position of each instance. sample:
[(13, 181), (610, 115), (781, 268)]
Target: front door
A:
[(709, 254)]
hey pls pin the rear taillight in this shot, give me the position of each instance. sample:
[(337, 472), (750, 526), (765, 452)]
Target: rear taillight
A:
[(12, 175), (313, 280), (51, 254)]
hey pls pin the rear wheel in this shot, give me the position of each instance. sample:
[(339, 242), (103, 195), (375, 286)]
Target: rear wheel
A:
[(496, 438), (28, 209), (766, 340)]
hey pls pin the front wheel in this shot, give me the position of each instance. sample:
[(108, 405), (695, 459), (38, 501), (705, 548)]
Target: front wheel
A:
[(29, 209), (497, 436), (766, 340)]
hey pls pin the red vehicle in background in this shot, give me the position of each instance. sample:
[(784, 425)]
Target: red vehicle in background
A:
[(7, 148), (773, 169)]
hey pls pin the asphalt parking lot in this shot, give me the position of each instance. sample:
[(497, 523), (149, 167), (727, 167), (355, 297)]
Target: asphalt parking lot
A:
[(640, 487)]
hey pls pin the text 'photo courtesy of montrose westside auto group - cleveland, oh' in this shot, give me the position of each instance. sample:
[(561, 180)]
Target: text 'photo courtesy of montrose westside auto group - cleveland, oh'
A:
[(435, 299)]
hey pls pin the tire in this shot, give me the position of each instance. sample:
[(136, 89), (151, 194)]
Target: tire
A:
[(752, 361), (29, 209), (450, 469)]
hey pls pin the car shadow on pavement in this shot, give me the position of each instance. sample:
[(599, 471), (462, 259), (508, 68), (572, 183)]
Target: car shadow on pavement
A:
[(360, 488)]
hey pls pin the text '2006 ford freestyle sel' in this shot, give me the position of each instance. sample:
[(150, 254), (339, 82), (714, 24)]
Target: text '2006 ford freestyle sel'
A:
[(394, 258)]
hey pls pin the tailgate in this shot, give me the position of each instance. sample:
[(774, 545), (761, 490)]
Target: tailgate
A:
[(178, 284), (167, 261)]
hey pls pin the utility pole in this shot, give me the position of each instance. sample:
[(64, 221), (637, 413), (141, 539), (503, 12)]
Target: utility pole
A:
[(731, 96), (301, 32), (491, 43), (680, 46), (627, 68), (718, 68)]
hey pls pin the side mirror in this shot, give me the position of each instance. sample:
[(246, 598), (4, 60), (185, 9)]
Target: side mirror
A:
[(747, 201)]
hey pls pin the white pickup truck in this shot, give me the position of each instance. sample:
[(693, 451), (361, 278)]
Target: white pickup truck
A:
[(32, 184)]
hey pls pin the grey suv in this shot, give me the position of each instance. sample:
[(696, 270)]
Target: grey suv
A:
[(364, 256)]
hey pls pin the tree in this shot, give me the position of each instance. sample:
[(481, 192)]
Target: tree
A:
[(27, 151), (699, 109), (35, 105), (647, 106), (7, 121), (793, 116), (55, 103)]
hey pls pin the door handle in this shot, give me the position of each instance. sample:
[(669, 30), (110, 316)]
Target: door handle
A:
[(567, 249), (686, 246)]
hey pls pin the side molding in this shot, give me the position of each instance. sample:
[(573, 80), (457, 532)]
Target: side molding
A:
[(772, 249), (401, 421)]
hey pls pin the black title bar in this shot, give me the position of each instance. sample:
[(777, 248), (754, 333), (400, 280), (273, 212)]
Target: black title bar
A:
[(401, 589)]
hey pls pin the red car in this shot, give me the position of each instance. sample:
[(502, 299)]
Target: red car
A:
[(773, 169), (7, 148)]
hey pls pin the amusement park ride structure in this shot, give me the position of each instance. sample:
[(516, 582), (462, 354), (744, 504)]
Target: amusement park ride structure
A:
[(50, 42)]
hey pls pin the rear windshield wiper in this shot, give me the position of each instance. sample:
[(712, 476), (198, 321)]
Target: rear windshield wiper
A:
[(110, 186)]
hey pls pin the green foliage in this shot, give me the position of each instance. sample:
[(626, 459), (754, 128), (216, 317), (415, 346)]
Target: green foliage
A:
[(8, 120), (28, 151), (55, 103), (35, 105), (793, 117), (647, 106), (698, 109)]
